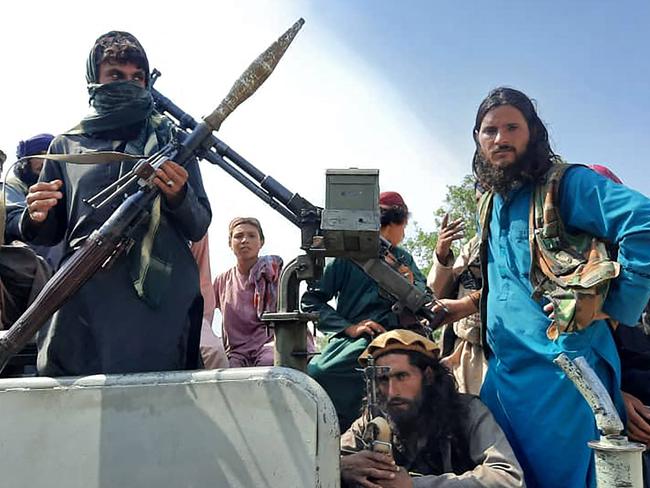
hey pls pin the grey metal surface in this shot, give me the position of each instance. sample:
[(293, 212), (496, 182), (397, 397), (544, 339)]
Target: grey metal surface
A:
[(618, 462), (249, 427), (593, 391)]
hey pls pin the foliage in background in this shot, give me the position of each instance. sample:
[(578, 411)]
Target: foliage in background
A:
[(460, 202)]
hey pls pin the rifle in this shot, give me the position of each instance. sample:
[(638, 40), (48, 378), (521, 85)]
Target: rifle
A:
[(196, 140), (377, 435), (113, 237)]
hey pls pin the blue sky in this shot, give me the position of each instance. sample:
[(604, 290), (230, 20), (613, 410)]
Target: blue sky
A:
[(585, 62), (372, 84)]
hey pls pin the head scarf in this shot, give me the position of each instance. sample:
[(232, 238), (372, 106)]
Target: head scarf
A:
[(104, 44), (33, 146), (124, 111), (118, 104)]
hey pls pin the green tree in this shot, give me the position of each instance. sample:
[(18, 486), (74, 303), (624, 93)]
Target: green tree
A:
[(460, 202)]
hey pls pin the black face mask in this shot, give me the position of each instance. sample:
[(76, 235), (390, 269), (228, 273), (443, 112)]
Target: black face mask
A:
[(116, 106)]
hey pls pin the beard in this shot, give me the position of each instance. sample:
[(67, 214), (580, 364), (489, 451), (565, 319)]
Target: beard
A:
[(502, 180), (404, 416)]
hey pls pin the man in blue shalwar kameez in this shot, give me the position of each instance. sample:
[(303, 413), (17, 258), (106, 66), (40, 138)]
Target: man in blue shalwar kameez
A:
[(546, 420)]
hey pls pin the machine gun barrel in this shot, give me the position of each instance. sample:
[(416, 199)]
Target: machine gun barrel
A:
[(289, 205), (294, 208), (107, 242)]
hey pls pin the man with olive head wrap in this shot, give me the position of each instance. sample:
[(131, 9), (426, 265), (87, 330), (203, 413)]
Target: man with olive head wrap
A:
[(439, 438), (126, 318)]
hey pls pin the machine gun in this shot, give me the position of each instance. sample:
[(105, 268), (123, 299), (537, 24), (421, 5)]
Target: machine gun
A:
[(114, 236), (324, 232), (348, 226)]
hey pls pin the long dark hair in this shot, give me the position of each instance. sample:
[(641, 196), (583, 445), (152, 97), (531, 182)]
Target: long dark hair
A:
[(444, 413), (539, 156)]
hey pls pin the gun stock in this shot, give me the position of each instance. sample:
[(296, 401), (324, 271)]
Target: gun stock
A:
[(108, 241), (103, 244)]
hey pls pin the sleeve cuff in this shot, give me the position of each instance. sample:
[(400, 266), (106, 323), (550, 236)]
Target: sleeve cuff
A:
[(450, 259), (184, 209), (31, 231)]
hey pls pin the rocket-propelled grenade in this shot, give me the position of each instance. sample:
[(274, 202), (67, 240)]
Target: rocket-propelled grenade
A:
[(105, 244), (253, 77)]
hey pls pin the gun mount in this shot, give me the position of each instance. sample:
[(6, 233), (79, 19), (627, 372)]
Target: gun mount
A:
[(377, 435), (348, 227)]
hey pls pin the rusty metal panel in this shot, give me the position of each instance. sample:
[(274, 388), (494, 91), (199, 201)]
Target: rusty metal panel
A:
[(243, 428)]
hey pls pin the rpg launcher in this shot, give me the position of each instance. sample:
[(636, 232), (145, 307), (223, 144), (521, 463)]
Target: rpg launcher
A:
[(114, 236), (323, 230), (348, 227)]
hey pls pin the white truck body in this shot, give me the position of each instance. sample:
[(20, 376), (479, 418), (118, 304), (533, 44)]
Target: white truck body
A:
[(243, 428)]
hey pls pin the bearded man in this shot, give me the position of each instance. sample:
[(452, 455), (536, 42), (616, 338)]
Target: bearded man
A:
[(440, 438), (546, 420), (362, 312), (128, 317)]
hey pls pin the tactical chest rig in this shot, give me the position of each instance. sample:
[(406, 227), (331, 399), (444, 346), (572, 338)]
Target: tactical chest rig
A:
[(571, 270)]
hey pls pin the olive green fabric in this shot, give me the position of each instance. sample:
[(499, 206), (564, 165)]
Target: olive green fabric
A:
[(572, 270), (358, 298)]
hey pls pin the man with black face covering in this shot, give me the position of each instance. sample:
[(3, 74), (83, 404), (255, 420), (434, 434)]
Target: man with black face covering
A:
[(144, 312), (440, 438)]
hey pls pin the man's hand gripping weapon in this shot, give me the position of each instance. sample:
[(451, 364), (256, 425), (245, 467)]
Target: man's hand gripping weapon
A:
[(114, 236)]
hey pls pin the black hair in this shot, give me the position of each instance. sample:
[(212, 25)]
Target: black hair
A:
[(538, 157), (445, 413), (442, 414), (394, 214)]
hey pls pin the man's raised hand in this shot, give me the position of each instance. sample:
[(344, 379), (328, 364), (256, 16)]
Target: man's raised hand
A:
[(448, 233)]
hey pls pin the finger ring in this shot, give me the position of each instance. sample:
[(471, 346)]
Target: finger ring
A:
[(170, 183)]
